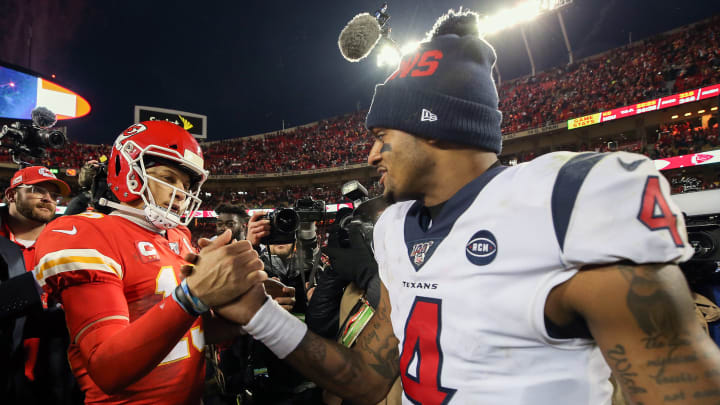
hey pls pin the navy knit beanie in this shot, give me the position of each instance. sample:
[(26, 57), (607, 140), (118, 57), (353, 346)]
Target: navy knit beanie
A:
[(445, 89)]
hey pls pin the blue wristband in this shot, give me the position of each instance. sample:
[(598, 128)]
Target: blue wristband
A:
[(198, 305), (179, 296)]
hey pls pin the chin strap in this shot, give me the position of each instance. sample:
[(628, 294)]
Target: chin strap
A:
[(149, 215)]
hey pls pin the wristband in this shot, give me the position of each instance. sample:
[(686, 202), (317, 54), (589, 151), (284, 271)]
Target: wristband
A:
[(198, 305), (179, 296), (276, 328)]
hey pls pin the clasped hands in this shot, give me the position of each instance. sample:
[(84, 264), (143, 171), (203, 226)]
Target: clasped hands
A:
[(229, 277)]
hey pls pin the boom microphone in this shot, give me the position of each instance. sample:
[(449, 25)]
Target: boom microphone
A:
[(359, 37), (43, 117)]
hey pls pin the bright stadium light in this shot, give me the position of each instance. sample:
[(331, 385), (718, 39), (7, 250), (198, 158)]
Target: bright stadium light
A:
[(390, 56), (521, 13), (409, 47), (510, 17)]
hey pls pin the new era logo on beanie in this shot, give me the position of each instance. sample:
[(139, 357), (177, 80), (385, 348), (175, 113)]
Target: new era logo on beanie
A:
[(428, 116), (449, 76)]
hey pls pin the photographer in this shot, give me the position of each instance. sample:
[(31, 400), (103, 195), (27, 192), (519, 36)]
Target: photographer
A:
[(246, 371), (348, 291), (282, 262), (33, 327)]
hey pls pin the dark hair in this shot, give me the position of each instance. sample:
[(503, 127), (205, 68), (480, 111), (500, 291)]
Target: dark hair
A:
[(238, 210)]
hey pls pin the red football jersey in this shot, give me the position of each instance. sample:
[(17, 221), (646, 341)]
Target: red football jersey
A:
[(139, 268)]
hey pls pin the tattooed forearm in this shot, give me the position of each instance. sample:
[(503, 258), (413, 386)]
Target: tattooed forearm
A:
[(328, 363), (622, 369), (385, 355), (383, 350), (364, 373), (314, 348)]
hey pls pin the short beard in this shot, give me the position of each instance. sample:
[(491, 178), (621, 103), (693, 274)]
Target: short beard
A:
[(27, 209), (389, 198)]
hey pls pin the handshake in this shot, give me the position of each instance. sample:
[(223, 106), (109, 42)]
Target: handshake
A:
[(229, 277)]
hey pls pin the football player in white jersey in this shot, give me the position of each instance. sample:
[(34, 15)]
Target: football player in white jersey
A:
[(519, 285)]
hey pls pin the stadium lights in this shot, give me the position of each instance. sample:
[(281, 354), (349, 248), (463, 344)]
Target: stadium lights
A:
[(504, 19), (701, 111), (714, 109), (390, 56), (674, 116), (519, 14), (687, 114)]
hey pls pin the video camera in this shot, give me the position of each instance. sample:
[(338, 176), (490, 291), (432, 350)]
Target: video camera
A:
[(285, 223), (358, 225), (31, 139), (704, 236), (702, 221), (310, 210)]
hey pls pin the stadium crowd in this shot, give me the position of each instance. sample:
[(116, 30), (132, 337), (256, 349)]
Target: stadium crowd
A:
[(336, 142), (665, 64), (673, 139), (273, 197), (662, 65)]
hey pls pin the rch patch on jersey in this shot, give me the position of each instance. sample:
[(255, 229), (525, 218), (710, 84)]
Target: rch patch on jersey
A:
[(482, 248)]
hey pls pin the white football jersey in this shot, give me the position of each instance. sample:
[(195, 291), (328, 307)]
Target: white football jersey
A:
[(468, 292)]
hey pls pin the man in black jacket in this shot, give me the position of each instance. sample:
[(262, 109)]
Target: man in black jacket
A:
[(32, 329)]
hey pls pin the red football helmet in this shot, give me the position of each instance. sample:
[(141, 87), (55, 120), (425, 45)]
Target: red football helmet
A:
[(156, 141)]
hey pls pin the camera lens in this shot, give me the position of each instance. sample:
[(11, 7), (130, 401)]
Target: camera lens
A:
[(55, 139), (703, 244), (286, 220)]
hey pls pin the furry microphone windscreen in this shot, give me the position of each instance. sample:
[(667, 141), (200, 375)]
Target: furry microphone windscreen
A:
[(43, 117), (359, 37)]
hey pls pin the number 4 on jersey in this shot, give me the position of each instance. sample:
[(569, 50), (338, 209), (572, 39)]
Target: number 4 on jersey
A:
[(421, 358), (655, 212)]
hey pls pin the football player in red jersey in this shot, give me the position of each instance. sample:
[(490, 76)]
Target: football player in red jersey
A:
[(136, 335)]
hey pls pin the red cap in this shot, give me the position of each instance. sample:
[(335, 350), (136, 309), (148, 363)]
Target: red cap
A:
[(38, 174)]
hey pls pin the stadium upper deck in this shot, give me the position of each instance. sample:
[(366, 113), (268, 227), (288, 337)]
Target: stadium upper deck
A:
[(687, 57)]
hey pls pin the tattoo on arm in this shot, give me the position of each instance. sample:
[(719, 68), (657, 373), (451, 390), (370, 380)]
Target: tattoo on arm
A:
[(672, 358), (384, 351), (651, 306), (622, 369), (361, 372)]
